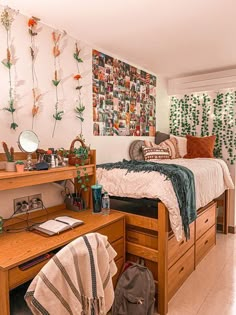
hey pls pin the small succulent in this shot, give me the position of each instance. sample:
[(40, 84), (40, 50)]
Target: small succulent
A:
[(19, 162)]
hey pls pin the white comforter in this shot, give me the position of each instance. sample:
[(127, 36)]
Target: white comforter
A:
[(211, 176)]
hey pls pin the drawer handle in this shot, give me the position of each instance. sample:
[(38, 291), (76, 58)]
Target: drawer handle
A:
[(131, 238), (182, 269), (206, 242), (181, 243), (206, 221)]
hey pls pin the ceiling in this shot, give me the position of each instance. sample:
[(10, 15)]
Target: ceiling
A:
[(168, 37)]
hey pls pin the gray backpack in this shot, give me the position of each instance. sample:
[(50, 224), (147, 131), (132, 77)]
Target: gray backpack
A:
[(135, 292)]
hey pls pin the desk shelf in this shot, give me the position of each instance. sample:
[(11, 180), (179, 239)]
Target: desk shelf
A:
[(12, 180)]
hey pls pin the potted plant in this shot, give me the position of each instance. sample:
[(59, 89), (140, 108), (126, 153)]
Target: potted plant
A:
[(80, 157), (10, 164), (20, 166)]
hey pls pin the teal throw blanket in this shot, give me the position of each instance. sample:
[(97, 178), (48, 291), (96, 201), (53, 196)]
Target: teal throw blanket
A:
[(181, 178)]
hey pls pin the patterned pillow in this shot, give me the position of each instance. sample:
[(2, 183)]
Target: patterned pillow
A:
[(170, 144), (154, 154)]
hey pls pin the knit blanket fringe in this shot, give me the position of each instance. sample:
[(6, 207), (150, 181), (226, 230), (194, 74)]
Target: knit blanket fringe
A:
[(92, 306), (181, 178)]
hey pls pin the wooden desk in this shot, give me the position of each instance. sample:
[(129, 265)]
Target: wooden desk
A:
[(17, 248)]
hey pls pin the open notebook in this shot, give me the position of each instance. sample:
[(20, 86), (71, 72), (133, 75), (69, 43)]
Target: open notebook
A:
[(58, 225)]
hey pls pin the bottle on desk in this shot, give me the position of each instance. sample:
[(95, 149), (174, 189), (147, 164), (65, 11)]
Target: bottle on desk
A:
[(105, 204)]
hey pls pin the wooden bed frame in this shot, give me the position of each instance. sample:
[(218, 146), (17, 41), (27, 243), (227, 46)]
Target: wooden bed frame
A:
[(171, 262)]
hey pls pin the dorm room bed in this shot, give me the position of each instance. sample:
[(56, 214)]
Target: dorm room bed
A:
[(149, 233)]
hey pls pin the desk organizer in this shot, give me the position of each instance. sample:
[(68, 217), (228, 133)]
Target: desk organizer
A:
[(75, 203)]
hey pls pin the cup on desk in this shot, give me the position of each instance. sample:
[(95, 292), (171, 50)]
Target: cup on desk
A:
[(97, 198)]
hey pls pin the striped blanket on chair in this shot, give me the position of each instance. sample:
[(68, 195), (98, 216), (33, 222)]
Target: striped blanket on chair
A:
[(77, 280)]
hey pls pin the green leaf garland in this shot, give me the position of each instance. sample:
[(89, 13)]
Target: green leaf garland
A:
[(204, 114)]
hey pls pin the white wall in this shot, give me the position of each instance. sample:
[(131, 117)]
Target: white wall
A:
[(108, 148)]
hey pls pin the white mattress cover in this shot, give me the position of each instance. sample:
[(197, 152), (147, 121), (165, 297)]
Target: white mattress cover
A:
[(211, 176)]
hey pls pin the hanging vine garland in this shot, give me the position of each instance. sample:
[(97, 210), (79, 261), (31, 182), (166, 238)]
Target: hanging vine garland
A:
[(205, 114), (7, 18), (79, 107), (56, 37), (32, 24)]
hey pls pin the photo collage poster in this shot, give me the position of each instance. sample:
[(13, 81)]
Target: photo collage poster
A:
[(124, 98)]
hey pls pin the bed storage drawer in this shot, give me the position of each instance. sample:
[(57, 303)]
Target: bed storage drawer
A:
[(142, 237), (205, 220), (177, 249), (205, 243), (180, 271)]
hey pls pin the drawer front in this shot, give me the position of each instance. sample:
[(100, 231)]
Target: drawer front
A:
[(119, 247), (119, 265), (113, 231), (17, 277), (205, 221), (141, 238), (180, 271), (177, 249), (205, 243)]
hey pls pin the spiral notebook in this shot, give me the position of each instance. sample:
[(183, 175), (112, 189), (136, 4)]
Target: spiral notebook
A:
[(58, 225)]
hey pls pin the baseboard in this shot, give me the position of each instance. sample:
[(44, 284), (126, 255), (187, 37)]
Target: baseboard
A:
[(232, 229)]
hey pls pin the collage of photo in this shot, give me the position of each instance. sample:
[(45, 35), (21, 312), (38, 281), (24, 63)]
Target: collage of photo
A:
[(124, 98)]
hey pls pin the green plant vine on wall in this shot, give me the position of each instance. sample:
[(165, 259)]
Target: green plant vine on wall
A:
[(7, 18), (204, 114)]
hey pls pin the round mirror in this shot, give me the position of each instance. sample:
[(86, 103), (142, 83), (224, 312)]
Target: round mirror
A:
[(28, 141)]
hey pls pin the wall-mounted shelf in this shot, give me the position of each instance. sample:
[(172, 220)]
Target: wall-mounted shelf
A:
[(12, 180)]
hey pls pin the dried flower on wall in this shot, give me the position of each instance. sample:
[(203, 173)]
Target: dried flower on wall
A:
[(32, 24), (7, 18), (56, 37), (79, 107)]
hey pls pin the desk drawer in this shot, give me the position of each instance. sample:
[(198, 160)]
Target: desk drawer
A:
[(17, 277), (205, 243), (142, 238), (119, 265), (205, 221), (177, 249), (119, 247), (180, 271), (113, 231)]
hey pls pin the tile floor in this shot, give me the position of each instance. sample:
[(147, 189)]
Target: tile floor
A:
[(211, 288)]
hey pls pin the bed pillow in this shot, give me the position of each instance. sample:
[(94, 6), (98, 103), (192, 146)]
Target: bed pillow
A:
[(161, 136), (181, 144), (200, 147), (153, 154), (170, 144), (135, 150)]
